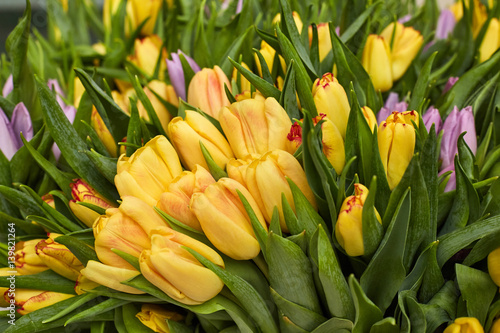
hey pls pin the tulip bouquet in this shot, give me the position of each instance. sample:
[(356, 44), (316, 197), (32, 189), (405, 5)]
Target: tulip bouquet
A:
[(253, 166)]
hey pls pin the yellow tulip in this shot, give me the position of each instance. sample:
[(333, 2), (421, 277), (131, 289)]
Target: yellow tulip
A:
[(349, 226), (491, 40), (154, 316), (245, 85), (496, 327), (376, 60), (30, 300), (142, 10), (296, 19), (224, 219), (480, 14), (27, 261), (266, 180), (256, 126), (110, 276), (186, 135), (103, 132), (465, 325), (83, 192), (370, 117), (83, 285), (8, 272), (58, 258), (269, 54), (237, 168), (331, 99), (406, 44), (175, 202), (324, 40), (494, 265), (174, 270), (396, 143), (147, 173), (78, 91), (109, 9), (167, 93), (125, 229), (206, 91), (146, 54)]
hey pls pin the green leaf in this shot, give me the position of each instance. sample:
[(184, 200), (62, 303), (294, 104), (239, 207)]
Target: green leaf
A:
[(335, 325), (76, 304), (482, 248), (22, 200), (258, 229), (386, 325), (275, 226), (267, 89), (371, 226), (96, 310), (176, 327), (134, 261), (80, 249), (288, 98), (132, 323), (422, 85), (432, 279), (46, 280), (266, 74), (429, 167), (355, 26), (105, 165), (216, 171), (367, 313)]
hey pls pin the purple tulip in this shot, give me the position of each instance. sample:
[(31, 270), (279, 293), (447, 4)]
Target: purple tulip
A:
[(432, 116), (445, 24), (10, 140), (455, 124), (391, 104), (176, 72), (9, 86), (452, 181), (239, 5), (451, 81), (404, 19)]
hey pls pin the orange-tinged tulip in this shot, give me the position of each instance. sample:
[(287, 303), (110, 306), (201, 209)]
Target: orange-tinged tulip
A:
[(103, 132), (465, 325), (324, 40), (206, 91), (110, 276), (494, 265), (175, 202), (296, 19), (237, 168), (142, 10), (147, 53), (186, 135), (155, 317), (269, 54), (406, 44), (491, 40), (30, 300), (370, 117), (496, 327), (224, 219), (83, 192), (256, 126), (245, 85), (147, 173), (396, 143), (174, 270), (331, 99), (125, 229), (266, 180), (27, 261), (83, 285), (349, 226), (377, 62), (58, 258)]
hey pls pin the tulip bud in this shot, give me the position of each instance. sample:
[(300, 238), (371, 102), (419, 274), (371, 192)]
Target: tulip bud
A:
[(324, 40), (155, 317), (405, 46), (450, 83), (266, 181), (496, 327), (83, 192), (330, 98), (175, 202), (377, 62), (269, 54), (58, 258), (296, 19), (432, 116), (78, 91), (125, 229), (349, 226), (494, 265), (186, 135), (370, 117), (224, 219), (167, 93), (445, 25), (110, 276), (147, 173), (206, 91), (480, 14), (145, 10), (491, 40), (396, 143), (30, 300), (256, 126), (237, 168), (176, 72), (245, 85), (103, 132), (455, 124), (27, 261), (146, 54), (465, 325), (109, 9), (177, 272)]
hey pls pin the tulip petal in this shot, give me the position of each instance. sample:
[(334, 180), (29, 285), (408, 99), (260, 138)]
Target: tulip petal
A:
[(8, 86), (110, 276), (21, 122), (8, 141)]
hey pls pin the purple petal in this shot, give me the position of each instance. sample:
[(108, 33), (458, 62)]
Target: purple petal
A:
[(239, 6), (451, 81), (54, 85), (450, 137), (9, 86), (452, 181), (176, 74), (432, 116), (392, 104), (383, 114), (404, 19), (191, 62), (445, 25), (401, 107), (391, 101), (466, 124), (21, 122), (8, 142), (56, 151), (70, 112)]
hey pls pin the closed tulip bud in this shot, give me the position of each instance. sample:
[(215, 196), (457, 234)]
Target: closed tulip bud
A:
[(491, 40), (110, 276), (49, 199), (167, 93), (175, 202), (296, 19), (155, 317), (396, 143), (445, 25), (224, 220), (186, 135), (176, 72), (27, 261), (330, 98), (269, 54), (349, 226), (377, 62), (266, 181), (465, 325), (103, 132), (455, 124), (496, 327), (406, 44), (146, 54), (256, 126), (432, 116), (83, 192), (177, 272), (324, 40), (59, 258), (30, 300), (141, 11), (147, 173), (480, 14), (206, 91), (125, 229), (370, 117), (245, 85), (494, 265)]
